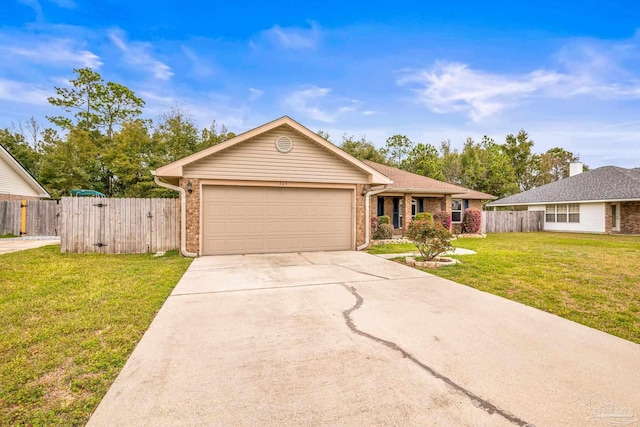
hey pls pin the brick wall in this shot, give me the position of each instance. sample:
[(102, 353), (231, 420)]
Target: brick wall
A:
[(193, 214), (608, 221), (432, 204), (629, 217)]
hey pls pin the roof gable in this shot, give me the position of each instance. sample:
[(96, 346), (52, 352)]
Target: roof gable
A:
[(16, 180), (258, 159), (601, 184), (177, 168)]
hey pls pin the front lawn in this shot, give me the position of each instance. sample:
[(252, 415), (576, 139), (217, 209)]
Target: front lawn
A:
[(590, 279), (68, 323)]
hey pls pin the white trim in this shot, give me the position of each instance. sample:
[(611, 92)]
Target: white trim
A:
[(461, 211), (618, 217), (494, 205)]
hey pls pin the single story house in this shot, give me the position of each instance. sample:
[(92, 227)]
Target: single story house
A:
[(16, 183), (602, 200), (410, 193), (282, 188)]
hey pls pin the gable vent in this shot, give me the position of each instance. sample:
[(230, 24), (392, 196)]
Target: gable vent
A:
[(284, 144)]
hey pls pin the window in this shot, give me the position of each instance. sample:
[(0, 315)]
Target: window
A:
[(574, 213), (380, 206), (414, 208), (456, 210), (550, 214), (562, 213)]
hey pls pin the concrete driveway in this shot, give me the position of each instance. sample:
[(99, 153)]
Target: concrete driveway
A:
[(347, 338), (21, 244)]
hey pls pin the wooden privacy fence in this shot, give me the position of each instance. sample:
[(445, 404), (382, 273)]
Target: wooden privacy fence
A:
[(512, 221), (119, 226), (40, 217)]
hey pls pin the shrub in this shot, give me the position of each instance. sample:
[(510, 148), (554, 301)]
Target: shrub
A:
[(374, 224), (430, 238), (384, 219), (385, 231), (420, 216), (443, 218), (472, 221)]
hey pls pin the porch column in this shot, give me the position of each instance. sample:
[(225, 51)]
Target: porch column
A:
[(406, 215), (447, 207)]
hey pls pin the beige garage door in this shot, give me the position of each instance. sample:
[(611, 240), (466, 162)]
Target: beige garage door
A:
[(245, 220)]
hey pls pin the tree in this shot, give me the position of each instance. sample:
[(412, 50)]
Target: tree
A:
[(397, 149), (70, 162), (94, 104), (487, 168), (554, 164), (324, 135), (525, 163), (19, 148), (132, 158), (212, 136), (361, 149), (423, 160), (176, 136), (451, 164)]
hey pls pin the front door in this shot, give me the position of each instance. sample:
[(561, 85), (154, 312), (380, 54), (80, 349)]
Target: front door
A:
[(615, 217), (396, 212)]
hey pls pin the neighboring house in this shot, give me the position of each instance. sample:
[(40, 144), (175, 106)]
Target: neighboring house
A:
[(411, 193), (282, 188), (16, 183), (602, 200)]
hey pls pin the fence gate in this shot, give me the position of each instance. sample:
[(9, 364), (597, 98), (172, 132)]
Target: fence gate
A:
[(118, 226)]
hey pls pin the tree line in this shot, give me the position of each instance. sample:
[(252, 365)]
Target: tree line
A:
[(487, 166), (101, 142)]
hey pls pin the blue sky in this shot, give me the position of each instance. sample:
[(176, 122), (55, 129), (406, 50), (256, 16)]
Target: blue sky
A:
[(566, 72)]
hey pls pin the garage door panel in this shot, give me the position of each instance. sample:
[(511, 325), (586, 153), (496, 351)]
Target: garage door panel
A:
[(275, 219)]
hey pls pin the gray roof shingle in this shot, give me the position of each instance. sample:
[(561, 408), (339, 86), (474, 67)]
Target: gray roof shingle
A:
[(605, 183)]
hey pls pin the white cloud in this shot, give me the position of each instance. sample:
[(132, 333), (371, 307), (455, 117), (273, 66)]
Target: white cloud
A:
[(454, 87), (294, 38), (199, 67), (255, 94), (137, 54), (604, 70), (315, 103), (52, 51), (23, 93), (205, 108)]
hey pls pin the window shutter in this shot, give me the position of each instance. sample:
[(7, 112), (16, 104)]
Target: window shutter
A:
[(420, 205), (466, 203)]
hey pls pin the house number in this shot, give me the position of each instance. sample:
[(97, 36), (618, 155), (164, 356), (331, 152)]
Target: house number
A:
[(283, 183)]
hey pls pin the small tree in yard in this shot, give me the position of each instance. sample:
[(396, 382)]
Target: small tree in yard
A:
[(472, 221), (430, 237)]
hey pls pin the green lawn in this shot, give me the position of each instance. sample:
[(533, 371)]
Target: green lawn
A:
[(590, 279), (68, 323)]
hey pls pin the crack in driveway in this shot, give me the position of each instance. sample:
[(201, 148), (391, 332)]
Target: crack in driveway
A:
[(477, 400)]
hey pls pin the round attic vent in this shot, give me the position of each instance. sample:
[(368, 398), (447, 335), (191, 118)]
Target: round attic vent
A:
[(284, 144)]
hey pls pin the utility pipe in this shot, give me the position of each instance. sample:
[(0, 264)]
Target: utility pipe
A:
[(367, 226), (183, 215)]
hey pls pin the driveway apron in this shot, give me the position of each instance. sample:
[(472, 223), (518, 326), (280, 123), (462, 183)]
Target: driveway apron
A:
[(347, 338)]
